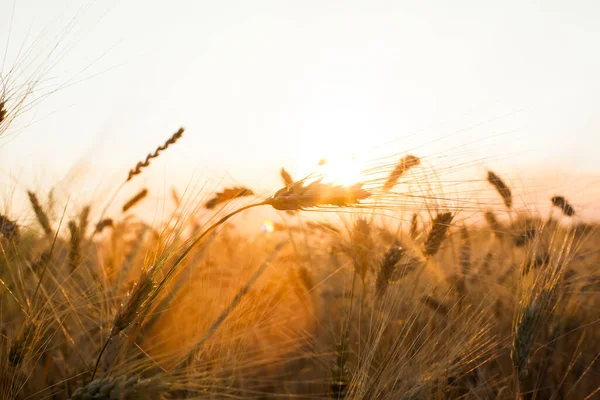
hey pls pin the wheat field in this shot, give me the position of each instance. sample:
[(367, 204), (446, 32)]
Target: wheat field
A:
[(409, 281), (392, 296)]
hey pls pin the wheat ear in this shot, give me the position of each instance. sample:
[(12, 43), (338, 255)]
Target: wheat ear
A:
[(407, 162), (501, 187)]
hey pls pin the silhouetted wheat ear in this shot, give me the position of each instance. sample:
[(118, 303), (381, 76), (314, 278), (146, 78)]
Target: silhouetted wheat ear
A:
[(437, 234), (405, 163), (494, 224), (40, 214), (138, 300), (361, 247), (105, 223), (22, 343), (228, 195), (132, 202), (386, 270), (75, 246), (143, 164), (3, 111), (84, 217), (501, 188), (8, 228), (563, 204), (286, 178), (316, 194)]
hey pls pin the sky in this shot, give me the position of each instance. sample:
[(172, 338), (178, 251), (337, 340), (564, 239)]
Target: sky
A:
[(513, 86)]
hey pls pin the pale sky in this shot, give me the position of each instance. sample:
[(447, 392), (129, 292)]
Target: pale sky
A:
[(510, 85)]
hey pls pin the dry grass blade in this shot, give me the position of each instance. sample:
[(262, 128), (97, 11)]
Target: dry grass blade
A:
[(437, 234), (139, 196), (563, 204), (40, 214), (406, 163), (501, 188), (316, 194), (227, 195), (386, 271), (143, 164), (286, 178)]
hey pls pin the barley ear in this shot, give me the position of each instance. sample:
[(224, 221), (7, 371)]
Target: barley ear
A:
[(564, 205), (143, 164), (40, 214), (501, 187), (132, 202), (437, 234)]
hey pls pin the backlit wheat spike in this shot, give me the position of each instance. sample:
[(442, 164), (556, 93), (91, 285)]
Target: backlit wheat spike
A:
[(501, 188), (437, 234), (286, 178), (138, 299), (494, 224), (40, 214), (139, 196), (563, 204), (227, 195), (406, 163), (8, 228), (143, 164), (386, 270), (316, 194)]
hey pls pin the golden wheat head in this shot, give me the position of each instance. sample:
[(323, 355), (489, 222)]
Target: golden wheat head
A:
[(143, 164)]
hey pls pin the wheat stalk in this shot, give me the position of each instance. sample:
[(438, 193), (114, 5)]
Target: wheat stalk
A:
[(501, 188)]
